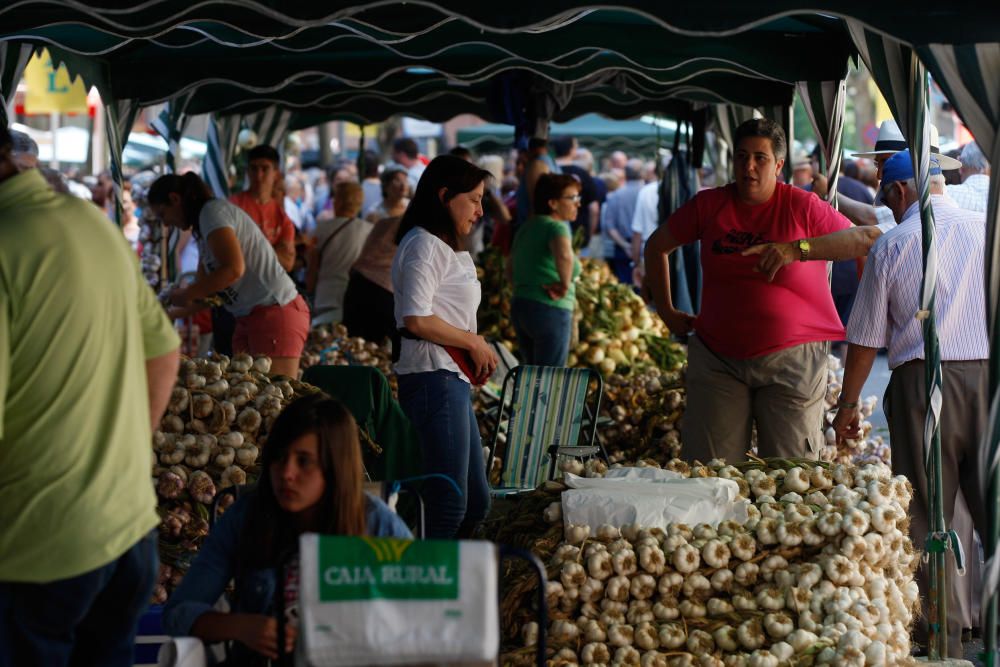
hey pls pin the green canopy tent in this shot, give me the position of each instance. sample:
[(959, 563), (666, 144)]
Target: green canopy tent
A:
[(599, 134), (164, 48)]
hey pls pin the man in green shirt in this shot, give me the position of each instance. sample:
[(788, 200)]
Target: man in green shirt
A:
[(87, 362)]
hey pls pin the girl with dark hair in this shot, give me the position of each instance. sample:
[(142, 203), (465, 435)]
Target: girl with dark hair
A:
[(311, 482), (437, 295), (238, 263), (544, 269)]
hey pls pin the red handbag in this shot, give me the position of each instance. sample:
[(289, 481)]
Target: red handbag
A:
[(460, 356), (464, 361)]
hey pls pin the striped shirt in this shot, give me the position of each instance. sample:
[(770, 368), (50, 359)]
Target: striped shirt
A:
[(972, 194), (889, 295)]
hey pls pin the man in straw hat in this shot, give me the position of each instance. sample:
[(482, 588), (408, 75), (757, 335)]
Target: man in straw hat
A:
[(872, 222), (884, 316)]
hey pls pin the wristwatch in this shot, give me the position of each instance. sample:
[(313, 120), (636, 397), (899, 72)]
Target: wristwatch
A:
[(804, 248)]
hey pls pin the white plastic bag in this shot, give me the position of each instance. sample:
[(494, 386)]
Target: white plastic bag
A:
[(182, 652), (652, 504), (385, 601)]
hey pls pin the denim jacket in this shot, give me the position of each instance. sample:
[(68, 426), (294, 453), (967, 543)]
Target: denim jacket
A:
[(215, 566)]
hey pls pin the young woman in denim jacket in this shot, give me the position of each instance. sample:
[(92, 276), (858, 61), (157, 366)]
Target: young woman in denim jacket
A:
[(311, 481)]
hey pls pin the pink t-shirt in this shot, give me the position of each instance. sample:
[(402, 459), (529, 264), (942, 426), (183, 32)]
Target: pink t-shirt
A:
[(742, 315)]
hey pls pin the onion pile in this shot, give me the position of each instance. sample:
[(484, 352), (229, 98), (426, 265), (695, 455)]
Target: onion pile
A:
[(614, 330), (646, 409), (210, 438), (821, 574), (617, 331)]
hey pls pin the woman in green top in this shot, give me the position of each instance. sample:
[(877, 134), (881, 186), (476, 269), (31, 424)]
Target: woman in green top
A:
[(543, 269)]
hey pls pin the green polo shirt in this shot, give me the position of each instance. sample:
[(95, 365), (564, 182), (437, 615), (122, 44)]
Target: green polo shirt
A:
[(77, 323), (535, 266)]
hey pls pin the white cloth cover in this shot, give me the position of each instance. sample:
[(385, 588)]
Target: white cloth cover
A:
[(651, 502)]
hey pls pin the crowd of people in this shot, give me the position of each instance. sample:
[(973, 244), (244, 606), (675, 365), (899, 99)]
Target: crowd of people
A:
[(390, 250)]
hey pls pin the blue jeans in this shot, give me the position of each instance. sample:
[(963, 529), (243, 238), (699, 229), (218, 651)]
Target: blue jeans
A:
[(439, 405), (89, 619), (543, 332)]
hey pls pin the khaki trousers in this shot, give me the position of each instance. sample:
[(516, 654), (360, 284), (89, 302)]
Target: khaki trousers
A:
[(782, 392), (964, 412)]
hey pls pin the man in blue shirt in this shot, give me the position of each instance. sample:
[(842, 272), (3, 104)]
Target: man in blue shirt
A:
[(616, 222)]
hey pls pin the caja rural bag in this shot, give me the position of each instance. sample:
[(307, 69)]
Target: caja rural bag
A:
[(387, 601)]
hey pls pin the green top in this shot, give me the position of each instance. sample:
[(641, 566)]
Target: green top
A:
[(77, 323), (534, 264)]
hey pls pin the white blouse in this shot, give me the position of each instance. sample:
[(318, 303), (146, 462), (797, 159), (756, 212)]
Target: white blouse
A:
[(429, 278)]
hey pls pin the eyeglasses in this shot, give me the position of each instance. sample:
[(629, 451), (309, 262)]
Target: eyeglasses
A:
[(573, 198)]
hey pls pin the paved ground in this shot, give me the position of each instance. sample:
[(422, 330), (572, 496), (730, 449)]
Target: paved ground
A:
[(878, 380), (972, 651)]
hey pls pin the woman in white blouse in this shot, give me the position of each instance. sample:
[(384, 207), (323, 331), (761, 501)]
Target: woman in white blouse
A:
[(437, 294)]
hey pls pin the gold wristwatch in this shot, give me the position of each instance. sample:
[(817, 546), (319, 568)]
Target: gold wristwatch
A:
[(804, 248)]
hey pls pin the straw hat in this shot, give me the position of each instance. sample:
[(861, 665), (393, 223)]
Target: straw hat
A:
[(890, 140)]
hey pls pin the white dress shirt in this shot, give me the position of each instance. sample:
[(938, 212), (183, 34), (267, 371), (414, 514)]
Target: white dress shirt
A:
[(646, 218), (973, 193), (884, 313)]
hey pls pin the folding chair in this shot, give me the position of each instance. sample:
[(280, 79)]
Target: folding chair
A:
[(546, 420), (365, 392)]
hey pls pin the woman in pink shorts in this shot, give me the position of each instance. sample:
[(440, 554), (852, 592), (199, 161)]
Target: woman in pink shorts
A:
[(238, 264)]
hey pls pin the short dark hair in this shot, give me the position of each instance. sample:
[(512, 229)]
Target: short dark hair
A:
[(562, 146), (406, 146), (388, 174), (427, 210), (462, 152), (371, 165), (537, 142), (264, 152), (551, 186), (762, 127)]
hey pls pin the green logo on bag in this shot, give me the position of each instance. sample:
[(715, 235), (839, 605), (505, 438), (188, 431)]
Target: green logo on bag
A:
[(368, 568)]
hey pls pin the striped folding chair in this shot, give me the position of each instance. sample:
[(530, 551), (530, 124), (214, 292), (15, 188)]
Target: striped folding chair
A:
[(544, 417)]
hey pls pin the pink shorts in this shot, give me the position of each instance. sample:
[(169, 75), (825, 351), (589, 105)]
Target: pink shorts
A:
[(275, 331)]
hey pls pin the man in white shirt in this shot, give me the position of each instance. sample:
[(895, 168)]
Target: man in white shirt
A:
[(974, 191), (405, 152), (645, 220), (886, 315)]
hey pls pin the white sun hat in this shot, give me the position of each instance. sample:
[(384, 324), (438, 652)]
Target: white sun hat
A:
[(890, 140)]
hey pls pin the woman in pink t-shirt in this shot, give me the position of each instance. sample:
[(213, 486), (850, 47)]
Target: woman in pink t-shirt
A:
[(758, 356)]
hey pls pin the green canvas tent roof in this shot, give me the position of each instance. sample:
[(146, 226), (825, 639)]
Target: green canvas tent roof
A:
[(591, 130)]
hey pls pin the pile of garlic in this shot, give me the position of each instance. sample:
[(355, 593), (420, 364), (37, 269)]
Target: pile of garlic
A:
[(869, 448), (217, 420), (821, 574), (331, 345)]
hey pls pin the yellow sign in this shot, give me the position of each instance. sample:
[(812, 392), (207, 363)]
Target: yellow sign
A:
[(50, 90)]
